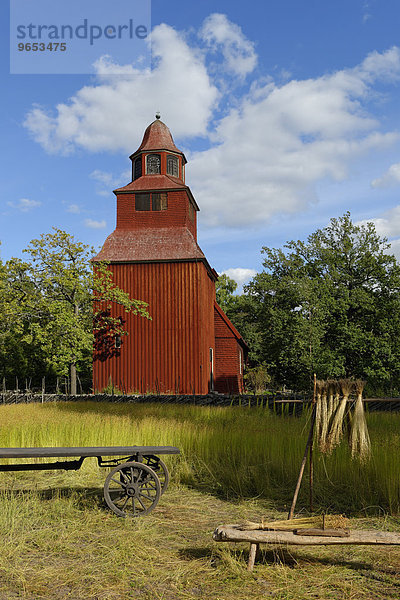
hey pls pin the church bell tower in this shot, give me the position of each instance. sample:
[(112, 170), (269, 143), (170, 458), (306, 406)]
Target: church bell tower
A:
[(154, 256)]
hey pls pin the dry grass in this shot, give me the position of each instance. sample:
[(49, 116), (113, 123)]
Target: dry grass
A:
[(60, 543), (232, 452)]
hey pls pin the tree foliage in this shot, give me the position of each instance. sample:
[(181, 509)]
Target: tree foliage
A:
[(225, 288), (329, 305), (50, 303)]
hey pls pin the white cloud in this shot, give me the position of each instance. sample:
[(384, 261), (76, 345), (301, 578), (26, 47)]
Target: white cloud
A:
[(388, 224), (111, 114), (24, 204), (389, 179), (238, 52), (270, 151), (366, 8), (107, 182), (267, 151), (92, 224), (240, 275), (74, 209), (394, 248)]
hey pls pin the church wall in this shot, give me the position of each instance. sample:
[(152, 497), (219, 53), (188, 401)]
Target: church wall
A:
[(177, 214), (170, 353), (228, 378)]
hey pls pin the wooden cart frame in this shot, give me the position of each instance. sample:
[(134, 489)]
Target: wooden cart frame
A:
[(133, 487)]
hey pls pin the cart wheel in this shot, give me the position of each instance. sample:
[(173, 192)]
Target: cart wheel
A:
[(132, 489), (160, 469)]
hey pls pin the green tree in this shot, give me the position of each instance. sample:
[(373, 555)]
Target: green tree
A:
[(20, 309), (329, 305), (225, 288), (57, 297)]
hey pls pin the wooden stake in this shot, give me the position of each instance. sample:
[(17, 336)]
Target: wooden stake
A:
[(311, 452), (303, 463), (252, 556)]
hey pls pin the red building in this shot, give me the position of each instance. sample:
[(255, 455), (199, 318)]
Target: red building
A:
[(189, 346)]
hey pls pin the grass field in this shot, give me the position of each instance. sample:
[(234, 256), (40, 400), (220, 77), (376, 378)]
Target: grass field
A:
[(231, 452), (58, 541)]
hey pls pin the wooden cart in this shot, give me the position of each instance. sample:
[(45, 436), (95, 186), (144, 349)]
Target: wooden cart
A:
[(133, 487)]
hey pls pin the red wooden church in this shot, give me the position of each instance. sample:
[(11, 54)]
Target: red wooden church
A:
[(190, 346)]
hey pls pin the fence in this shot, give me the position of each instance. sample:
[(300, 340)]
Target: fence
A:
[(278, 402)]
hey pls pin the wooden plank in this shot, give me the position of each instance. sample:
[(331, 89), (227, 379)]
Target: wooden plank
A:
[(323, 532), (86, 451), (229, 533)]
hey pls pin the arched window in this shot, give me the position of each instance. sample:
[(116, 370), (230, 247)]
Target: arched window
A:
[(153, 164), (172, 166), (137, 168)]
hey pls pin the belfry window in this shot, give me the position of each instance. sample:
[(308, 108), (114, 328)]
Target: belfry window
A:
[(154, 202), (159, 201), (142, 201), (172, 166), (153, 164), (137, 168)]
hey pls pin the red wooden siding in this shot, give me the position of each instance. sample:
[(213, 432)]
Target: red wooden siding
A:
[(170, 353), (177, 214), (154, 256), (229, 356)]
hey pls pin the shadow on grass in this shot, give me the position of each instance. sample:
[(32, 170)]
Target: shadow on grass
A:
[(85, 497), (292, 559), (143, 408), (366, 569), (195, 553)]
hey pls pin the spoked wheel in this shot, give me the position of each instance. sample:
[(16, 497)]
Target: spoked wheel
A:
[(160, 468), (132, 489)]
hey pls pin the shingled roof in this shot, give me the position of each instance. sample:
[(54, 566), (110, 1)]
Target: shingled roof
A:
[(158, 137), (150, 245)]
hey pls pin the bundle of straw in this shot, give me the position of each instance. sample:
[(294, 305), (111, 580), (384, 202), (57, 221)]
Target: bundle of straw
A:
[(336, 398), (331, 383), (324, 418), (359, 438), (336, 429), (318, 408), (319, 521)]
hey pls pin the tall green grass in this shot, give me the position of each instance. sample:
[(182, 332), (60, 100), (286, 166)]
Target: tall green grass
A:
[(235, 452)]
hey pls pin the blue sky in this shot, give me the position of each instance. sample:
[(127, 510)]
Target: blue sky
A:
[(287, 111)]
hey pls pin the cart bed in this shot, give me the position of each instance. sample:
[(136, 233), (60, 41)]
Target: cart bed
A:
[(86, 451)]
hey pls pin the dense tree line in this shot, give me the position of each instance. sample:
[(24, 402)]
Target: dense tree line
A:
[(51, 305), (330, 305)]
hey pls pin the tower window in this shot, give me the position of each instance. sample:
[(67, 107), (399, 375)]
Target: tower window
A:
[(191, 212), (159, 201), (118, 341), (153, 163), (155, 202), (172, 166), (137, 168), (142, 201)]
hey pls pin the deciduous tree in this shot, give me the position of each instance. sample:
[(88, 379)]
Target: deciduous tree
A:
[(329, 305), (54, 298)]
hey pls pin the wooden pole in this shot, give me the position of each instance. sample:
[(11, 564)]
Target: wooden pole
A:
[(311, 472), (303, 462), (254, 549)]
